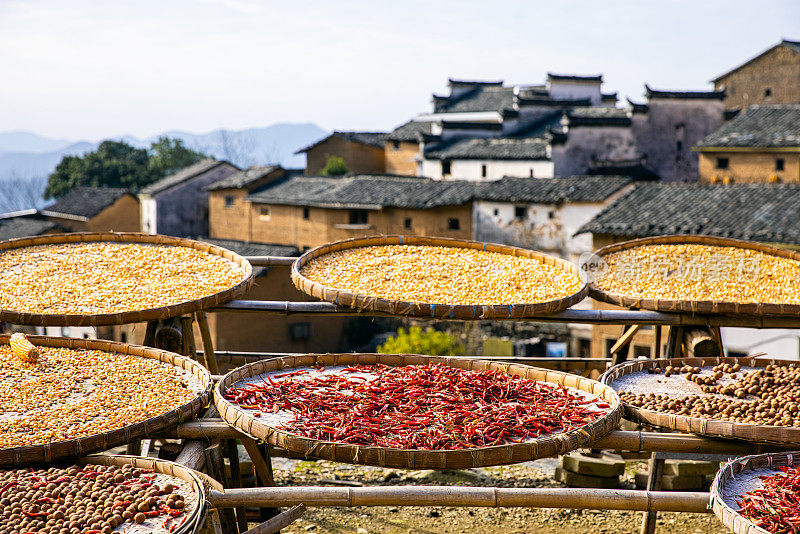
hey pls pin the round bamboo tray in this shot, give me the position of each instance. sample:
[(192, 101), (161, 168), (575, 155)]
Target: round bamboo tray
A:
[(134, 316), (740, 476), (546, 446), (697, 425), (77, 447), (696, 306), (201, 483), (420, 309)]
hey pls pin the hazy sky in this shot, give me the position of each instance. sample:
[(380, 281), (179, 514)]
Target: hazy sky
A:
[(83, 69)]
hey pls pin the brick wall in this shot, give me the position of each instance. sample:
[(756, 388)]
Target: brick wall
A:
[(777, 71), (751, 166), (287, 225), (359, 158), (401, 160), (229, 221)]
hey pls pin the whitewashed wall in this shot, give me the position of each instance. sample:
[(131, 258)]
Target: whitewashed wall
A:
[(783, 344), (149, 214), (470, 169), (575, 90)]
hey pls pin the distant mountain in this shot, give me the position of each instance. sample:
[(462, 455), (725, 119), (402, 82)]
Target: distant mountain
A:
[(21, 141), (28, 158)]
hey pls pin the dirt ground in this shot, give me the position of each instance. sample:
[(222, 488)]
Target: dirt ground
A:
[(429, 520)]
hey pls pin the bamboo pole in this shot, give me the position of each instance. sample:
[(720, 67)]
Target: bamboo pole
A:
[(268, 261), (700, 343), (579, 498), (621, 317)]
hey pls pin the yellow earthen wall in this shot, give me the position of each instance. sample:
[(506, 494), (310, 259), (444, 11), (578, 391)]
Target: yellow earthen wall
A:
[(359, 158), (401, 160), (750, 166)]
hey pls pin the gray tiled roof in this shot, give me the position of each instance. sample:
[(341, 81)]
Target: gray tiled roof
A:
[(481, 98), (683, 95), (374, 139), (187, 173), (410, 131), (552, 190), (366, 192), (597, 116), (504, 148), (759, 126), (15, 227), (574, 77), (755, 212), (386, 191), (87, 201), (243, 178)]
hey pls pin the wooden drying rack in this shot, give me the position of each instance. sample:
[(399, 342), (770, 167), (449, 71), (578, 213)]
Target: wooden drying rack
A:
[(208, 440)]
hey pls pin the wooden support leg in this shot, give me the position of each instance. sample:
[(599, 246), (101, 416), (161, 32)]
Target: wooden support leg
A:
[(657, 348), (653, 484), (620, 349), (150, 334), (134, 449), (168, 335), (280, 521), (232, 452), (208, 344), (262, 463), (216, 469)]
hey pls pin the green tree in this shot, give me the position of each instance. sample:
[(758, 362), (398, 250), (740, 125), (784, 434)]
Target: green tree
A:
[(334, 166), (169, 155), (415, 341), (118, 164)]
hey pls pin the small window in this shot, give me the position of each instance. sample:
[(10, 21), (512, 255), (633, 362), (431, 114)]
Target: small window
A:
[(306, 213), (357, 217), (300, 331), (496, 212), (779, 164), (531, 173), (395, 145), (445, 167), (520, 212), (483, 171), (679, 146), (551, 214), (609, 345), (767, 92), (230, 200), (407, 224), (722, 163), (453, 224), (123, 336), (642, 351), (263, 213)]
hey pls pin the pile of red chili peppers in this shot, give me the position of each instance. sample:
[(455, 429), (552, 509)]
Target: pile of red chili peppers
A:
[(776, 506), (430, 407)]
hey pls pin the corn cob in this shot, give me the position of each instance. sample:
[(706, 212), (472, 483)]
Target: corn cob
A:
[(23, 349)]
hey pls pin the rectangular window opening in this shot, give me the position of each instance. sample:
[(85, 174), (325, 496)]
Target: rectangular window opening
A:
[(395, 145), (230, 200), (453, 224), (306, 213), (263, 213), (445, 167), (357, 217), (767, 92), (520, 212), (407, 224), (779, 164), (300, 331), (483, 171), (722, 163)]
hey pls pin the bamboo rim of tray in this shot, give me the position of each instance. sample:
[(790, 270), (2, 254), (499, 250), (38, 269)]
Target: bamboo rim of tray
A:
[(201, 484), (546, 446), (721, 307), (702, 425), (730, 517), (77, 447), (133, 316), (371, 303)]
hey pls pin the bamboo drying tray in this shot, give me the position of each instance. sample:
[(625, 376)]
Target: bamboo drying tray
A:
[(696, 306), (201, 483), (697, 425), (416, 309), (551, 445), (744, 468), (77, 447), (135, 316)]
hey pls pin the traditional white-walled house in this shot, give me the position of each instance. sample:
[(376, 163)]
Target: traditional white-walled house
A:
[(177, 204)]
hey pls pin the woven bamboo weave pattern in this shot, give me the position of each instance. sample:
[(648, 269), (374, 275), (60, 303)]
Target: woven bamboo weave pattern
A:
[(549, 445), (438, 277), (93, 279), (707, 426), (699, 274), (84, 396)]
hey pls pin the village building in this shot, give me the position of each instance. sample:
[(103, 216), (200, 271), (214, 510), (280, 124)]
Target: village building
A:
[(765, 213), (95, 209), (403, 145), (760, 144), (27, 223), (177, 204), (362, 152), (228, 212), (772, 77)]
